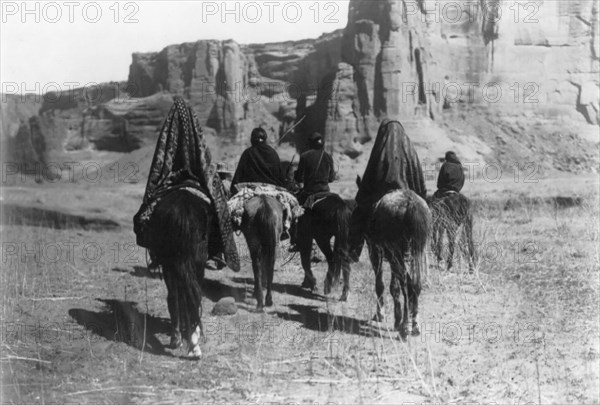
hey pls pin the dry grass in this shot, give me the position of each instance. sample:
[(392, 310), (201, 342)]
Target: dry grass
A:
[(523, 328)]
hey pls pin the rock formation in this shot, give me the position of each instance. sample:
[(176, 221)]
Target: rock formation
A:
[(417, 61)]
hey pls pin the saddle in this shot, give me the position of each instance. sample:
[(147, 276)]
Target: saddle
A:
[(316, 198), (441, 194), (291, 208), (142, 217)]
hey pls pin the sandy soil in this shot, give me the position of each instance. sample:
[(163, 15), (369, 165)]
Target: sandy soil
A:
[(83, 320)]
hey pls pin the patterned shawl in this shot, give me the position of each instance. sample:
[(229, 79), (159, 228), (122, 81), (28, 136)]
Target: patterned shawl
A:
[(181, 149)]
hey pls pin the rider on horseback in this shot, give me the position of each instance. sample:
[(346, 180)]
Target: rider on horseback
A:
[(451, 177), (259, 163), (315, 172), (393, 165)]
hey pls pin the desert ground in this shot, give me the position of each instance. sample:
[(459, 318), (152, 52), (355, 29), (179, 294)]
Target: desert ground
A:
[(85, 322)]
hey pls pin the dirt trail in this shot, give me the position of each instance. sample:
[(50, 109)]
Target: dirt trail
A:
[(92, 327)]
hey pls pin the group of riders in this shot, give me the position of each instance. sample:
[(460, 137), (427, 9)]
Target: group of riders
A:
[(260, 163), (182, 156)]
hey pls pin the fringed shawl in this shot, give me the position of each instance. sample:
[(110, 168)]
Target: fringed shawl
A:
[(181, 153), (393, 165)]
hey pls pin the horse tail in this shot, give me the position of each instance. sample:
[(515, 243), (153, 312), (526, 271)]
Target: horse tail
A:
[(418, 223), (188, 292), (182, 219), (268, 229)]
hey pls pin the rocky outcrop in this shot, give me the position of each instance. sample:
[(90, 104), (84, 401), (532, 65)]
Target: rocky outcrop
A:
[(219, 80), (417, 61), (412, 60)]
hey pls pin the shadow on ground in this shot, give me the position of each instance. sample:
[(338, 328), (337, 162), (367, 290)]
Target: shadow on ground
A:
[(121, 321)]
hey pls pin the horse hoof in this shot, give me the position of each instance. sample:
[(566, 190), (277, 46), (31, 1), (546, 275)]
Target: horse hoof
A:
[(415, 330), (195, 352), (269, 302), (378, 317), (307, 284), (344, 297), (175, 342)]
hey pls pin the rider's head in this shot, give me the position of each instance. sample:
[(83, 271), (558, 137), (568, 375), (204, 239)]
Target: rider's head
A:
[(315, 141), (258, 136), (451, 157)]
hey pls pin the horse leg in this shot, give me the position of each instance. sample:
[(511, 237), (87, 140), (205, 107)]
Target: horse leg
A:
[(451, 231), (436, 240), (332, 277), (414, 290), (341, 264), (399, 283), (268, 270), (194, 342), (341, 259), (257, 269), (375, 255), (305, 248), (468, 231), (173, 304)]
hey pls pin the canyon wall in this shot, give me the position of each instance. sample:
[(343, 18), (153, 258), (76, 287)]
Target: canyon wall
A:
[(415, 61)]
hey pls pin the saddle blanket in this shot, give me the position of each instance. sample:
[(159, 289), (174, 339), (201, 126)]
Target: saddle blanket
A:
[(291, 207), (142, 218)]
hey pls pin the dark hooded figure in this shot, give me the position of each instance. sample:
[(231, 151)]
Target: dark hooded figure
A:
[(451, 176), (315, 169), (182, 159), (259, 163), (393, 164)]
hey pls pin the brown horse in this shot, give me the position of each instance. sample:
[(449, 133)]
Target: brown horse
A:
[(328, 218), (178, 233), (398, 230), (450, 213), (262, 226)]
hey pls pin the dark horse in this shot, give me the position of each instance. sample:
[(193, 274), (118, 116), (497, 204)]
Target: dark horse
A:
[(328, 218), (178, 231), (262, 225), (449, 213), (398, 230)]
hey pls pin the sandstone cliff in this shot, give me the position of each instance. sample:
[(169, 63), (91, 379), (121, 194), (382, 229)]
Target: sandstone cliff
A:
[(423, 62)]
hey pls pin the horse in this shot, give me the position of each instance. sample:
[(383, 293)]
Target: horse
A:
[(262, 226), (179, 230), (451, 212), (328, 218), (398, 230)]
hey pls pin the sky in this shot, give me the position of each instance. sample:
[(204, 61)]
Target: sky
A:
[(45, 44)]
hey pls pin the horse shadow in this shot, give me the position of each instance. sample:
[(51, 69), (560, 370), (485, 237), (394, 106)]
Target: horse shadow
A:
[(138, 271), (214, 290), (313, 319), (121, 321), (288, 289)]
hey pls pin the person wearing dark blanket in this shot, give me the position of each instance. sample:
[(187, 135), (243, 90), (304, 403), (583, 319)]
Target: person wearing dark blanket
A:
[(259, 163), (393, 164), (315, 169), (451, 176), (183, 160), (315, 172)]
